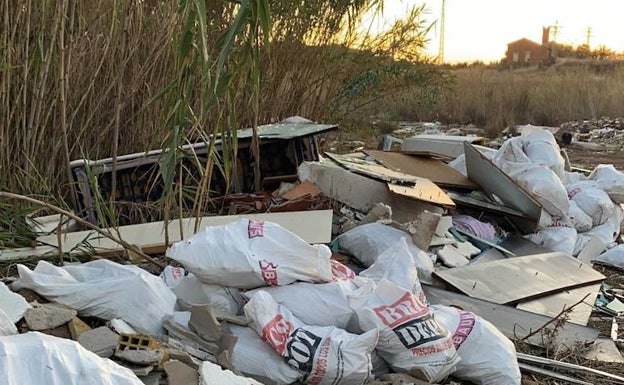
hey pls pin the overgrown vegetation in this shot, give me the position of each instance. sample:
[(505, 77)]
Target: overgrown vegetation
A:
[(110, 77)]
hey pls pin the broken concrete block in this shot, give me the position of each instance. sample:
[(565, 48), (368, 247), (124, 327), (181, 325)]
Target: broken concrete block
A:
[(77, 327), (48, 316), (422, 229), (152, 379), (121, 326), (13, 304), (145, 357), (205, 324), (605, 350), (451, 257), (402, 378), (467, 249), (179, 373), (213, 374), (140, 371), (445, 223), (184, 357), (101, 341)]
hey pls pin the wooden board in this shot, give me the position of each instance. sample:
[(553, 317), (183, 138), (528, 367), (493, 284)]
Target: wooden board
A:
[(512, 322), (522, 278), (311, 226), (372, 169), (433, 169), (552, 305), (424, 190), (447, 146)]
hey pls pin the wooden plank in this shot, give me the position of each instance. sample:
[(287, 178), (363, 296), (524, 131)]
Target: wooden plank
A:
[(311, 226), (552, 305), (372, 169), (494, 181), (521, 278), (424, 190), (433, 169), (512, 322)]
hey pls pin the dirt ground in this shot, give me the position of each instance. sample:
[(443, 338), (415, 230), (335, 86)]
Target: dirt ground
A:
[(588, 159)]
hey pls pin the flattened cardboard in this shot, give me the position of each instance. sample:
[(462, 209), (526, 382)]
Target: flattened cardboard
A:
[(433, 169), (522, 278)]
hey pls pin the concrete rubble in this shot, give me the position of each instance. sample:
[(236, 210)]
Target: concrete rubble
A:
[(402, 277)]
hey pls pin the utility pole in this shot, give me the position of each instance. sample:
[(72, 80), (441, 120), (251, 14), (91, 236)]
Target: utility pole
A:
[(555, 31), (588, 36), (441, 47)]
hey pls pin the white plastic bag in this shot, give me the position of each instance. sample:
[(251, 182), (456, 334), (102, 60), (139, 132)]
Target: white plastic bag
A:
[(542, 184), (572, 177), (104, 289), (327, 355), (368, 242), (13, 304), (39, 359), (7, 327), (397, 266), (410, 337), (325, 304), (541, 148), (610, 180), (613, 257), (193, 292), (557, 237), (255, 358), (579, 219), (247, 254), (609, 231), (487, 356), (592, 200)]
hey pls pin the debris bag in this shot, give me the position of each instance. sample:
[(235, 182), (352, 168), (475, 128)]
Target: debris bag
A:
[(540, 147), (327, 355), (341, 271), (13, 304), (612, 257), (511, 151), (609, 231), (37, 359), (487, 356), (104, 289), (572, 177), (193, 292), (255, 358), (558, 236), (410, 337), (7, 327), (248, 254), (542, 184), (397, 266), (610, 180), (368, 242), (592, 200), (579, 219), (459, 163), (172, 275), (325, 304), (212, 374)]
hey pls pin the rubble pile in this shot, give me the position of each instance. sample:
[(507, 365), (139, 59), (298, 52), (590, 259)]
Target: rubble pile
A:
[(431, 264)]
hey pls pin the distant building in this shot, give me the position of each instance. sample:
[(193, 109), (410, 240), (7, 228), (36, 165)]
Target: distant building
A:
[(528, 51)]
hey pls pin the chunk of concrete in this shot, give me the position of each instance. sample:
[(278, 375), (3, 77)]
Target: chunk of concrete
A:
[(451, 257), (179, 373), (101, 341), (77, 327), (205, 323), (147, 357), (402, 378), (605, 350), (152, 379), (48, 316), (140, 371), (12, 304)]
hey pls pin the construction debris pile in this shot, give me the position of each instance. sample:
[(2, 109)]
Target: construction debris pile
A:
[(431, 263)]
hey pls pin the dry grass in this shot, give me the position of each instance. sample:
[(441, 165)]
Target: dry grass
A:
[(494, 99)]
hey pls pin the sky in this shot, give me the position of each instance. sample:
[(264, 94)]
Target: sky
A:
[(481, 29)]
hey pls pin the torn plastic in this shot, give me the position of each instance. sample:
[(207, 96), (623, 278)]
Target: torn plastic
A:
[(327, 355), (35, 359), (104, 289), (248, 254)]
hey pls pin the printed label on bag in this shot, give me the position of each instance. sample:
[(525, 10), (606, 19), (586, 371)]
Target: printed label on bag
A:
[(255, 229), (276, 333), (269, 272), (406, 309), (467, 322), (573, 192), (419, 331), (301, 349)]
